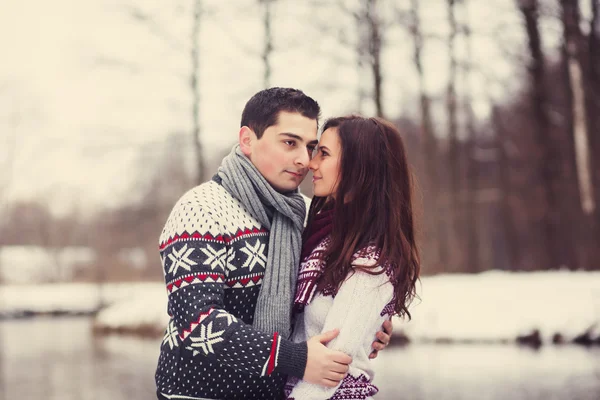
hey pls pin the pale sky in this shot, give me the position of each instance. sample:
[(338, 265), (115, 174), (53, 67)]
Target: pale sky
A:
[(85, 86)]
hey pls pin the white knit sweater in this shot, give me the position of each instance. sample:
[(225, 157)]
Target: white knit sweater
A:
[(361, 305)]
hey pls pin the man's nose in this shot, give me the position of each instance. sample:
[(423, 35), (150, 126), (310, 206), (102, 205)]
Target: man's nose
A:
[(303, 159)]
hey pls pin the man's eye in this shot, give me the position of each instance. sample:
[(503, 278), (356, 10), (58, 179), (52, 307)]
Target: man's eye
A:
[(290, 142)]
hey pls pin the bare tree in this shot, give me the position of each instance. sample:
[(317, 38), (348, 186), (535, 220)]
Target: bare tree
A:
[(30, 222), (156, 29), (573, 43), (437, 243), (10, 147), (544, 153), (454, 188), (509, 229), (47, 233), (595, 48), (573, 39), (195, 83), (373, 46), (594, 89), (370, 28), (268, 41), (471, 206)]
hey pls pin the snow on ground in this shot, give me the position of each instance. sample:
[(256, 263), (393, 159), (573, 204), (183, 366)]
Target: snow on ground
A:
[(37, 264), (489, 306), (73, 297), (498, 305), (147, 311)]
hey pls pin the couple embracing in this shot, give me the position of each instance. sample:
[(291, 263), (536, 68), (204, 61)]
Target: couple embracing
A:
[(264, 306)]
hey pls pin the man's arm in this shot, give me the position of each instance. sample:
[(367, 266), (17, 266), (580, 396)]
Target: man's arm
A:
[(383, 338), (325, 366), (194, 265)]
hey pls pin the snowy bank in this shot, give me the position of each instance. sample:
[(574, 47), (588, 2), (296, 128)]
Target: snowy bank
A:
[(145, 314), (69, 298), (500, 306), (37, 264), (492, 306)]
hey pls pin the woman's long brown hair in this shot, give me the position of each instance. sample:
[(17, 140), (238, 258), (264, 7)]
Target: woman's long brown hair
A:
[(373, 206)]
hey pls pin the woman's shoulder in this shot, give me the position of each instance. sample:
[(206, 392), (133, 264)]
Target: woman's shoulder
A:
[(368, 259), (367, 256)]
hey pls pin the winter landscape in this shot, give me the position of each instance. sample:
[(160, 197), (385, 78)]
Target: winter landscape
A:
[(111, 110)]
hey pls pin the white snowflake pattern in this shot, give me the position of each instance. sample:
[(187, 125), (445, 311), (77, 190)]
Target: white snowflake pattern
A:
[(230, 318), (230, 258), (171, 335), (205, 339), (214, 257), (256, 254), (180, 258)]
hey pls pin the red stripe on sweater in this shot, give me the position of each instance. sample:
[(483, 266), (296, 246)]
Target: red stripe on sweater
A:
[(210, 238), (186, 236), (273, 355)]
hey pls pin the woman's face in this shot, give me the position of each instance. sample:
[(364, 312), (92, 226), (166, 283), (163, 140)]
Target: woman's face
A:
[(325, 164)]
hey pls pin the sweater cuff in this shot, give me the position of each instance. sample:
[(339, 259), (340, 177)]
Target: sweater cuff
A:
[(291, 359)]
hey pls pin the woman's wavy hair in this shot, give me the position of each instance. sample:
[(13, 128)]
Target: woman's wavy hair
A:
[(376, 185)]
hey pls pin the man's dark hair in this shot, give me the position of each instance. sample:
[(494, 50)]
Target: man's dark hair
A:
[(263, 109)]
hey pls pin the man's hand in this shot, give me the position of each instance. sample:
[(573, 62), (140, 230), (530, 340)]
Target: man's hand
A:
[(383, 338), (324, 366)]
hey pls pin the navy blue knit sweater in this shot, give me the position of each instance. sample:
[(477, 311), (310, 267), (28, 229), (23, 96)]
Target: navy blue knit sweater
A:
[(214, 255)]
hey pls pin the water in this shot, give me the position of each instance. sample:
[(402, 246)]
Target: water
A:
[(489, 372), (59, 358)]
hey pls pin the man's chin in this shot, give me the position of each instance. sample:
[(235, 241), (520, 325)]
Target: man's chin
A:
[(289, 187)]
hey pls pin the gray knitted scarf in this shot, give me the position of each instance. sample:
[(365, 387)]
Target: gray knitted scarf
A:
[(283, 215)]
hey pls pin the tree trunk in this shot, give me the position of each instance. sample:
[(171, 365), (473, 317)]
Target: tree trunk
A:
[(594, 94), (573, 46), (369, 49), (363, 96), (594, 117), (511, 237), (8, 164), (194, 83), (454, 204), (268, 42), (374, 51), (437, 242), (471, 209), (573, 42), (546, 163), (595, 51)]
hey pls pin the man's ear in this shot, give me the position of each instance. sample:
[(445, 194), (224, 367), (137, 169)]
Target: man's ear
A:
[(246, 139)]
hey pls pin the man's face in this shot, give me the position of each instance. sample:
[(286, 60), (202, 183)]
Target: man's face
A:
[(283, 152)]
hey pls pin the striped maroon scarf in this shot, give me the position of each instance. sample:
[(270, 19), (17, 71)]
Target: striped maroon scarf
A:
[(315, 242), (319, 228)]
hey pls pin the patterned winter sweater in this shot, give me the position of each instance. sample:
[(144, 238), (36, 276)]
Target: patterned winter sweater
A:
[(358, 309), (214, 255)]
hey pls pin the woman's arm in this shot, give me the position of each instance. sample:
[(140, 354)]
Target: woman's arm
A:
[(356, 312)]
